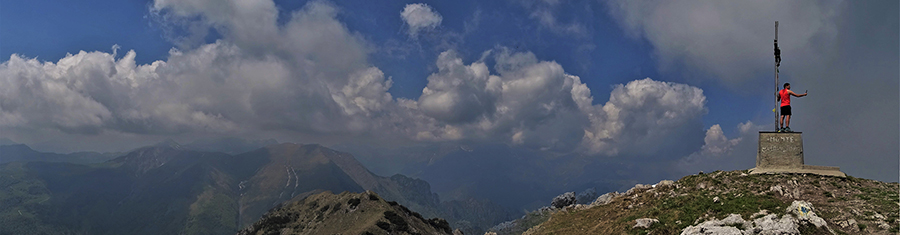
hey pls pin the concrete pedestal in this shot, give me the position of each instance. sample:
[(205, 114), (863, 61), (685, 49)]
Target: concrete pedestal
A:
[(783, 153)]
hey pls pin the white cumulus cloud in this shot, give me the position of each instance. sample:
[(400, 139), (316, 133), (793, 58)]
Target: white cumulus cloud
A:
[(721, 153), (715, 142), (420, 16), (538, 105), (644, 115), (459, 93), (529, 102), (310, 75)]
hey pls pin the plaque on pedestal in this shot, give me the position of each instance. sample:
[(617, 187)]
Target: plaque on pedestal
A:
[(781, 152)]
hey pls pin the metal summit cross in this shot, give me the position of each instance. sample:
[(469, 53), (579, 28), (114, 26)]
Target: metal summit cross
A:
[(777, 64), (782, 152)]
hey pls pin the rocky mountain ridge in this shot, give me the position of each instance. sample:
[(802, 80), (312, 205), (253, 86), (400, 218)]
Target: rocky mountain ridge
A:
[(346, 213)]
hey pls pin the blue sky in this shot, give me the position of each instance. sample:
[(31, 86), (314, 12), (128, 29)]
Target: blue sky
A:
[(50, 29), (607, 45)]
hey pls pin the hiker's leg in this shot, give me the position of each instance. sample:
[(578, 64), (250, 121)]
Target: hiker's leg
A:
[(788, 121)]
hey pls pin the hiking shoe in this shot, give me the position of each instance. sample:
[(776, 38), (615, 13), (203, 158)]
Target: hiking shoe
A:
[(780, 130), (788, 129)]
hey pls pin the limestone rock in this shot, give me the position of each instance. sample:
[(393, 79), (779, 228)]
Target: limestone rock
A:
[(644, 222), (697, 230), (805, 212), (605, 198), (664, 183), (636, 188), (770, 224), (777, 188), (849, 224), (716, 226), (883, 225), (735, 219), (563, 200), (878, 216)]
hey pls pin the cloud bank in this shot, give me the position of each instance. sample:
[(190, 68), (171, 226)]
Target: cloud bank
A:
[(311, 76)]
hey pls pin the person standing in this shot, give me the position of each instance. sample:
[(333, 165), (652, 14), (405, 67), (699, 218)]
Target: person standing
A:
[(784, 96)]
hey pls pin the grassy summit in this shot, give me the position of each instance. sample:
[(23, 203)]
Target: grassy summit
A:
[(848, 205)]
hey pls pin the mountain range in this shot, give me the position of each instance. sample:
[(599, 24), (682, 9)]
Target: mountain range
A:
[(20, 152), (516, 178), (173, 189)]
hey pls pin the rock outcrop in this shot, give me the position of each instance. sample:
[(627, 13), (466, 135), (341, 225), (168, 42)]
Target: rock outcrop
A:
[(800, 213), (605, 199), (563, 200)]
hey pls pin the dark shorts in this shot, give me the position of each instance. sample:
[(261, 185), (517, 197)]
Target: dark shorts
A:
[(786, 110)]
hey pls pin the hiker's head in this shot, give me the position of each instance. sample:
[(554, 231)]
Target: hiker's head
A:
[(787, 85)]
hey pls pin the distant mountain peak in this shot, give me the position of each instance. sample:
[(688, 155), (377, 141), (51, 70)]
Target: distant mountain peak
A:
[(6, 141), (169, 143), (19, 147), (151, 157), (230, 145)]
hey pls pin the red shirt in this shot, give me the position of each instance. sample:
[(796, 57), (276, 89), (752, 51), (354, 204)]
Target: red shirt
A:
[(785, 97)]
